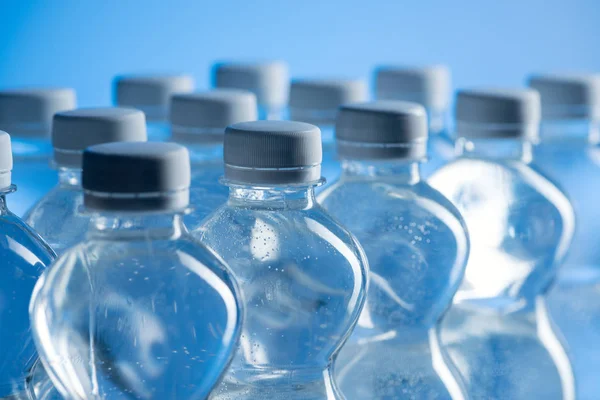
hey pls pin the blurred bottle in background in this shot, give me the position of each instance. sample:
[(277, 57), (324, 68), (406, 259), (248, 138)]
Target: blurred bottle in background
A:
[(198, 121), (59, 216), (269, 81), (26, 114), (316, 101), (431, 87), (302, 275), (151, 94), (139, 309), (569, 152), (417, 246), (23, 258), (498, 332)]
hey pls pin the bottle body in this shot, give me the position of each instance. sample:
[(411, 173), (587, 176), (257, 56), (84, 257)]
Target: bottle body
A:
[(59, 216), (417, 247), (32, 172), (569, 154), (521, 226), (23, 258), (136, 292), (303, 279)]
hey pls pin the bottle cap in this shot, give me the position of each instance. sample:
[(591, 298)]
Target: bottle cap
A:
[(272, 152), (269, 81), (150, 93), (74, 131), (142, 176), (203, 117), (6, 160), (317, 100), (385, 129), (29, 112), (428, 86), (568, 96), (497, 113)]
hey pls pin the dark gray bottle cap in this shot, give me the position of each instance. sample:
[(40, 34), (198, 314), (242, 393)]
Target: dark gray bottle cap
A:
[(498, 113), (567, 96), (269, 81), (150, 93), (203, 117), (273, 152), (6, 160), (385, 129), (74, 131), (136, 177), (428, 86), (317, 100), (28, 112)]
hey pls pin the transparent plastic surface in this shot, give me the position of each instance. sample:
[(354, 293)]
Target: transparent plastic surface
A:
[(158, 130), (23, 258), (303, 279), (206, 191), (440, 144), (520, 226), (417, 246), (139, 310), (569, 153), (59, 216), (32, 172), (331, 168)]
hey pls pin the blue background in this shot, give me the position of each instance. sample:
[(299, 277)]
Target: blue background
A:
[(83, 44)]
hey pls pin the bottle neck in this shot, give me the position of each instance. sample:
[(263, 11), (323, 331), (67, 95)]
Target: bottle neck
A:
[(69, 177), (438, 121), (131, 226), (578, 129), (270, 113), (495, 148), (400, 171), (299, 197), (201, 153)]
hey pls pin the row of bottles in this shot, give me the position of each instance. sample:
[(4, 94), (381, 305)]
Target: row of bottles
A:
[(227, 266)]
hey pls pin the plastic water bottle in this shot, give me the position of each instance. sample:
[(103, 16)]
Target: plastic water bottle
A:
[(269, 81), (302, 275), (430, 87), (316, 101), (417, 246), (27, 115), (151, 94), (498, 332), (569, 153), (59, 216), (23, 258), (198, 121), (139, 309)]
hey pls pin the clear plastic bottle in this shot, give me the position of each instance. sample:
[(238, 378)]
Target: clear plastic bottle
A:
[(429, 86), (198, 121), (316, 101), (268, 80), (498, 332), (302, 275), (569, 152), (151, 94), (23, 258), (417, 246), (139, 309), (59, 216), (27, 115)]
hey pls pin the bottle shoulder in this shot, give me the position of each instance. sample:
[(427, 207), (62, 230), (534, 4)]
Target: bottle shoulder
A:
[(21, 245)]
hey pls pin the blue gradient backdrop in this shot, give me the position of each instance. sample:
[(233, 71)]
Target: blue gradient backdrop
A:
[(491, 42)]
